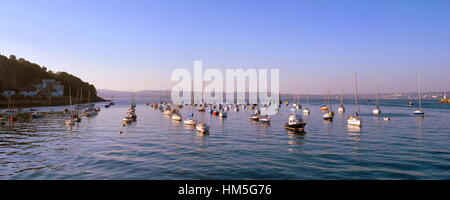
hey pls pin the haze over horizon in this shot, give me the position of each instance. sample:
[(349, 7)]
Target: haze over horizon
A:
[(135, 45)]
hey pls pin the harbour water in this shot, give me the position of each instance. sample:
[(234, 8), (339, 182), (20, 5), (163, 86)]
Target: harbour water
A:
[(155, 147)]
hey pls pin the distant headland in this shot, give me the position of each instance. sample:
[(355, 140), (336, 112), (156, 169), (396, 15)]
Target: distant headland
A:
[(26, 84)]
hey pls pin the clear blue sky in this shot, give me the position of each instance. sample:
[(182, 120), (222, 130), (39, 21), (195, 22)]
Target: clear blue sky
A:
[(316, 44)]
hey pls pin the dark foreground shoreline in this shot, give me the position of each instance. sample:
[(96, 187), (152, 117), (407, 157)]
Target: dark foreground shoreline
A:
[(24, 102)]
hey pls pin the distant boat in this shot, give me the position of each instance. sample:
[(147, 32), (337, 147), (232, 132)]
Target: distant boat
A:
[(202, 128), (306, 109), (176, 117), (264, 119), (329, 114), (168, 112), (190, 121), (223, 114), (341, 108), (355, 120), (419, 112), (377, 109), (295, 123), (36, 115), (444, 99), (255, 116)]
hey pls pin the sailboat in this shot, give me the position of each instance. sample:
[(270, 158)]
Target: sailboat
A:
[(70, 121), (306, 110), (419, 112), (341, 108), (202, 128), (377, 110), (329, 114), (355, 120), (13, 117), (255, 116), (190, 118), (264, 119)]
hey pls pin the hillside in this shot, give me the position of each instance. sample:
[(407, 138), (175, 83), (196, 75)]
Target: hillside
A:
[(22, 76)]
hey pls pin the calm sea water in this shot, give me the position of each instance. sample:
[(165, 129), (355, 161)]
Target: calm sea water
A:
[(154, 147)]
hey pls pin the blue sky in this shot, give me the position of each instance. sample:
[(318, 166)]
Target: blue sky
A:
[(316, 44)]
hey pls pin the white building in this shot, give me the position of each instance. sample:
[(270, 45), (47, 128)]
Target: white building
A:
[(54, 86), (8, 93), (29, 93)]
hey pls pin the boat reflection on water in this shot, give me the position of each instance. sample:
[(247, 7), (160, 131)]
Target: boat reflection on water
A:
[(296, 137)]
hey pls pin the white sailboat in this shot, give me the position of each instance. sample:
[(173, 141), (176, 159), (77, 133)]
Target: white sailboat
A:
[(355, 120), (341, 108), (71, 120), (190, 121), (202, 128), (306, 109), (377, 109), (419, 112)]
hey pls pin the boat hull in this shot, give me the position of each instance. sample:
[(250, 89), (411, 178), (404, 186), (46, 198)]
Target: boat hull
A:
[(299, 127)]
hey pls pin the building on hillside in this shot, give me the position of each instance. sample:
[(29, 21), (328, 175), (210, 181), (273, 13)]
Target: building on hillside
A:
[(29, 93), (50, 87), (8, 93)]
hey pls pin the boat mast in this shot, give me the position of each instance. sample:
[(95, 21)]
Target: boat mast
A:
[(378, 96), (420, 93), (70, 95), (342, 97), (356, 95), (328, 100)]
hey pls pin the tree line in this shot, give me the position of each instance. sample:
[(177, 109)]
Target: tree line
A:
[(22, 75)]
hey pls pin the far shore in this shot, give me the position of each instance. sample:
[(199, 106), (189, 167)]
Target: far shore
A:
[(25, 102)]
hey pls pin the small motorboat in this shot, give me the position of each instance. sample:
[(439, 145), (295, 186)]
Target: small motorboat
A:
[(387, 119), (90, 113), (295, 123), (202, 128), (107, 106), (97, 109), (36, 115), (236, 109)]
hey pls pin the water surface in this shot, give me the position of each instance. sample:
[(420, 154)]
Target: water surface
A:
[(155, 147)]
